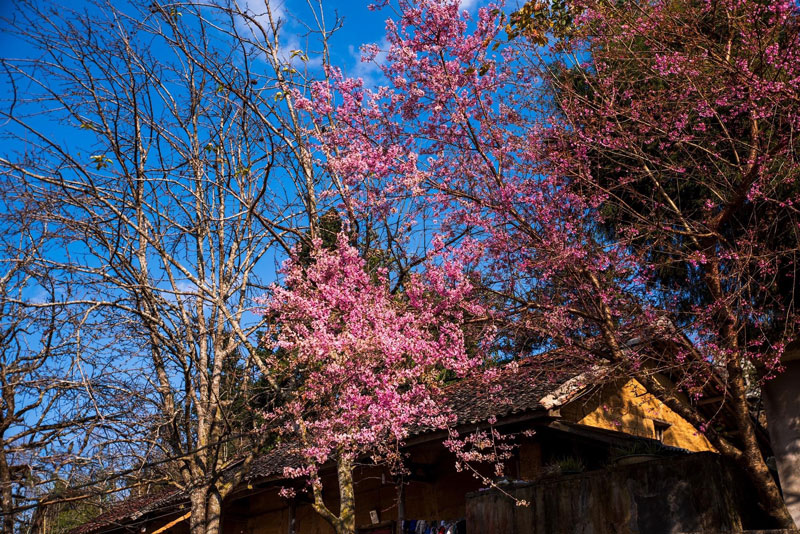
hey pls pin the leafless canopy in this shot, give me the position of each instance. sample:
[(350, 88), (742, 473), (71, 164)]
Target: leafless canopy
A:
[(162, 144)]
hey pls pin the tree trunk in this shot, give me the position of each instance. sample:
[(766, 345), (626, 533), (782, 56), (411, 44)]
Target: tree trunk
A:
[(401, 504), (6, 503), (345, 522), (292, 516), (752, 461), (214, 512), (347, 502), (197, 521), (749, 457), (206, 506)]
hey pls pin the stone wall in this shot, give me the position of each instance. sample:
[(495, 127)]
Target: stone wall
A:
[(698, 493)]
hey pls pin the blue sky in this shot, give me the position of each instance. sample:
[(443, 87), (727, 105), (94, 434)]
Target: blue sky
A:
[(361, 26)]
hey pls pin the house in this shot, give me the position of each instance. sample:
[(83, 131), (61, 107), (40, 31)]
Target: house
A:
[(560, 418)]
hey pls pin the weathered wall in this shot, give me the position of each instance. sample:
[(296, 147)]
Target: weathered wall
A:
[(442, 497), (631, 409), (439, 492), (782, 403), (695, 493)]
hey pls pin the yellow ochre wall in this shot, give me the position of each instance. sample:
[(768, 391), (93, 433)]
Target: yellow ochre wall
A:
[(633, 410)]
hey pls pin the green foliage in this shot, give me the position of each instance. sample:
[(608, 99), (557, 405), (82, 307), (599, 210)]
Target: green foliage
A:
[(565, 465), (639, 447), (537, 19), (67, 512), (330, 224), (101, 161)]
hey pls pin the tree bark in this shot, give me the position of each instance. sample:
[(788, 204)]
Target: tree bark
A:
[(752, 460), (214, 511), (401, 504), (6, 503), (198, 521), (206, 508), (347, 507), (292, 517), (345, 522), (749, 457)]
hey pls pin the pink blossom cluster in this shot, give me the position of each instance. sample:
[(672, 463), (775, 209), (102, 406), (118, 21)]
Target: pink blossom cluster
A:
[(626, 193), (368, 364), (499, 143)]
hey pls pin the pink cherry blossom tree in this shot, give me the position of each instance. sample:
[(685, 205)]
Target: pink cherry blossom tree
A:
[(624, 175), (681, 124), (368, 364)]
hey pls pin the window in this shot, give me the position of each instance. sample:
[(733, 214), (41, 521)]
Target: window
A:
[(660, 427)]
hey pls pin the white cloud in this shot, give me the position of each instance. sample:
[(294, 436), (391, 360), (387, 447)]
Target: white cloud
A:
[(469, 5), (290, 42), (259, 9), (258, 16), (369, 71), (259, 12)]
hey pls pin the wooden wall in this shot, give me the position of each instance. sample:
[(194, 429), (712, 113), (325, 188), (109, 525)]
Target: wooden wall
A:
[(436, 491)]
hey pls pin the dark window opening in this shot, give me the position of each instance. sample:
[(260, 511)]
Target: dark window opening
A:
[(660, 427)]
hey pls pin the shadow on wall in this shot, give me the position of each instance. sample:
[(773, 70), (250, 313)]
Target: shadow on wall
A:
[(782, 403), (695, 493)]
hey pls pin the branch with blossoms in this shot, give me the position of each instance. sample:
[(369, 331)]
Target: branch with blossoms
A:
[(609, 168), (369, 365), (484, 447)]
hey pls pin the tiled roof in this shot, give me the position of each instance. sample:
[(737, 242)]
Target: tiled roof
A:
[(272, 463), (532, 385), (123, 512), (473, 400), (526, 387)]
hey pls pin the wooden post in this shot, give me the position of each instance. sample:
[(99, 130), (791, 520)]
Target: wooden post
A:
[(173, 523), (401, 504), (292, 516)]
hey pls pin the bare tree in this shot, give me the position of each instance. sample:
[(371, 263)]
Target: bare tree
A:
[(178, 173), (50, 396)]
